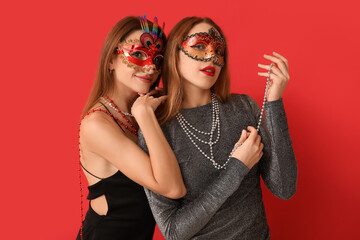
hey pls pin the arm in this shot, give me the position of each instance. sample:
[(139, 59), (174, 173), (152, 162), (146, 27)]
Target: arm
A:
[(278, 165), (160, 172), (179, 220)]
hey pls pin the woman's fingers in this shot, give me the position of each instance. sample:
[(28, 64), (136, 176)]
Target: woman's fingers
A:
[(265, 74), (261, 146), (160, 90), (273, 69), (282, 58), (267, 67), (275, 74), (156, 92), (242, 139), (253, 133), (258, 140), (275, 78), (280, 63), (152, 92), (264, 66), (243, 136), (162, 98)]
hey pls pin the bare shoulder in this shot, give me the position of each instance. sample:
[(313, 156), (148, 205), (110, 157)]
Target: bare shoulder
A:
[(95, 121), (99, 126)]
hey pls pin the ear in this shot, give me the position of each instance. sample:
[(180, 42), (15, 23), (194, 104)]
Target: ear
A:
[(112, 63), (111, 66)]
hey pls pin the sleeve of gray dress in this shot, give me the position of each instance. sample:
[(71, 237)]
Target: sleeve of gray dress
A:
[(179, 220), (278, 166)]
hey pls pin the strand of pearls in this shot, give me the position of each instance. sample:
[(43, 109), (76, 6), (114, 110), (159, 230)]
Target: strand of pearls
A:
[(113, 107), (266, 90), (187, 127), (190, 132)]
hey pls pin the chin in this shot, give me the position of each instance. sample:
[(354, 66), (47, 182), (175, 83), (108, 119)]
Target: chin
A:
[(142, 89), (206, 85)]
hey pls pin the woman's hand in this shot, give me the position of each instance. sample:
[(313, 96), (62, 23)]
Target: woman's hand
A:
[(157, 92), (146, 103), (250, 150), (279, 75)]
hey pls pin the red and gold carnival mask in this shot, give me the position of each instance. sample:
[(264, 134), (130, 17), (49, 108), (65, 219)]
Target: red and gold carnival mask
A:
[(204, 46), (146, 53)]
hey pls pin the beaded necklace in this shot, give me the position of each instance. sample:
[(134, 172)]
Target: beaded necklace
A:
[(264, 100), (110, 102), (187, 127), (189, 131)]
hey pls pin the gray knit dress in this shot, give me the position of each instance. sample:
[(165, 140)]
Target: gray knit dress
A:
[(226, 203)]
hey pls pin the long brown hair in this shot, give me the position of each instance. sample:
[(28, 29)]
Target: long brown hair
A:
[(172, 80), (104, 80)]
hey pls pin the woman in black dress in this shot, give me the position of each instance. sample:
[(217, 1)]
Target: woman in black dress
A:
[(115, 167)]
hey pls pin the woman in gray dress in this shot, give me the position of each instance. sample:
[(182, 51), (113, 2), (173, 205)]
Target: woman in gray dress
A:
[(214, 137)]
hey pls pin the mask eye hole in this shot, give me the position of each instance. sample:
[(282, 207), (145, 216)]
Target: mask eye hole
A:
[(138, 54), (199, 46), (219, 52)]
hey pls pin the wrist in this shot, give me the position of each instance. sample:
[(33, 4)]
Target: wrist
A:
[(274, 102), (142, 112), (239, 163), (241, 158), (273, 98)]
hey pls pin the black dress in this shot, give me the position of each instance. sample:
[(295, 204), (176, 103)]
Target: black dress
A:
[(129, 215)]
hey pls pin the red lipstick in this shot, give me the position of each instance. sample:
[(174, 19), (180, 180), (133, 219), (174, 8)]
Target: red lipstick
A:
[(210, 71)]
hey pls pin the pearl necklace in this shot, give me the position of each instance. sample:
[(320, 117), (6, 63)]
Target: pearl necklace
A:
[(116, 109), (185, 125), (266, 89), (190, 132)]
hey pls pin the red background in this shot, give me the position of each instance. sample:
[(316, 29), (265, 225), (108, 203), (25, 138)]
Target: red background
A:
[(49, 54)]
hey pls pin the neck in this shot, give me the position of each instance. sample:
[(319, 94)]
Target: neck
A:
[(123, 98), (195, 97)]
